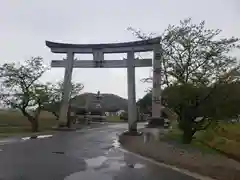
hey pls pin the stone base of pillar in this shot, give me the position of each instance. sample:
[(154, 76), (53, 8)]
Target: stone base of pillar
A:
[(153, 133), (132, 133), (62, 124), (155, 122)]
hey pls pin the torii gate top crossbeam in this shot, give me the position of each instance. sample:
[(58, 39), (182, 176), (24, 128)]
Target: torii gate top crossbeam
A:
[(136, 46)]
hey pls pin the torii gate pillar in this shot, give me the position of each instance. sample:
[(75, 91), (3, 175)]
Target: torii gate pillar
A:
[(132, 108), (67, 86)]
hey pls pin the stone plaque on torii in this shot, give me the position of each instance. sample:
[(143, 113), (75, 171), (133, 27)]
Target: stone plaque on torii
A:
[(98, 51)]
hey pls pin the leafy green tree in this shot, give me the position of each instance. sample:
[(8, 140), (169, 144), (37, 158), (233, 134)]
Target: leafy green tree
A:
[(20, 88), (191, 53), (211, 103), (195, 62)]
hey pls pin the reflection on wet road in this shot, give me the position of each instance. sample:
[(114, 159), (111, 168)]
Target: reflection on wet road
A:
[(82, 155)]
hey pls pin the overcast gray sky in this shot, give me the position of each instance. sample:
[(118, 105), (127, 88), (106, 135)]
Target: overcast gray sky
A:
[(26, 24)]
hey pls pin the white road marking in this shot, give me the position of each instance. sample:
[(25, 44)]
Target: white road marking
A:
[(44, 136)]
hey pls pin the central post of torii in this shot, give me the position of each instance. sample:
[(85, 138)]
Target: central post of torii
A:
[(98, 51)]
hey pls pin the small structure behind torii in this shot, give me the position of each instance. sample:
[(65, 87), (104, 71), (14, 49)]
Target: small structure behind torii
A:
[(98, 51)]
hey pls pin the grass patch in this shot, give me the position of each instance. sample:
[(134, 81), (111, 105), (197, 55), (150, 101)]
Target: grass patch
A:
[(224, 139), (13, 123), (114, 119), (175, 134)]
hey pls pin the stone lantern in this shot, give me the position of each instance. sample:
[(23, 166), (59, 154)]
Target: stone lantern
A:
[(98, 101), (97, 114)]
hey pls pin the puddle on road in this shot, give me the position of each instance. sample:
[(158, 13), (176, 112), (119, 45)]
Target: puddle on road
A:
[(116, 143), (138, 166), (88, 175), (95, 162), (1, 150), (114, 163), (4, 141), (115, 166), (7, 141), (102, 167)]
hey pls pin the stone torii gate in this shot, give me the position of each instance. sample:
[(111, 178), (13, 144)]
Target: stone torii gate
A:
[(98, 51)]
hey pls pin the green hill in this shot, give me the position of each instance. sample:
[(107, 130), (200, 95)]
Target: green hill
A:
[(110, 102)]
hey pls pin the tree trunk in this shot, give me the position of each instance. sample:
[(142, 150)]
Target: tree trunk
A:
[(32, 120), (186, 125), (35, 125), (187, 136), (56, 115), (69, 119)]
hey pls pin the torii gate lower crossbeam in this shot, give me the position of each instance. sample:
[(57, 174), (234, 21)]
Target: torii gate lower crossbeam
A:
[(130, 63)]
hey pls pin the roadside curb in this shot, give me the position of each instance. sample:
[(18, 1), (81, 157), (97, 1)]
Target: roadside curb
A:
[(183, 171), (161, 164)]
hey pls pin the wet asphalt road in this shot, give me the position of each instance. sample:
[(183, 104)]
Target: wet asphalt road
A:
[(82, 155)]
